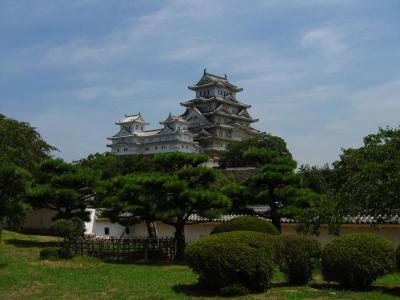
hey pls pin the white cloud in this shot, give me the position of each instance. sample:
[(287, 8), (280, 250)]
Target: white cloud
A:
[(327, 41)]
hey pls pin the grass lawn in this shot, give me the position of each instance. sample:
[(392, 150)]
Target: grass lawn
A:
[(23, 275)]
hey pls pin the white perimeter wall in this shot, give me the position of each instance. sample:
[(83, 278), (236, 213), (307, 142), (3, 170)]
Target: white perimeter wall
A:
[(42, 219)]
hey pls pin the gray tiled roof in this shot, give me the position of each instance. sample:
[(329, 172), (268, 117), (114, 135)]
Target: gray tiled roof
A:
[(392, 217)]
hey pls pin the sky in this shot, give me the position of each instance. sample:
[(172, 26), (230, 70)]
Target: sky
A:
[(321, 74)]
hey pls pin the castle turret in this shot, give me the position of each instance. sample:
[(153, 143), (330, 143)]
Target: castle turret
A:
[(215, 116)]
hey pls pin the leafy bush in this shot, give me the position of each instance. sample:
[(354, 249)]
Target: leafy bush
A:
[(234, 290), (356, 260), (398, 257), (247, 223), (233, 261), (300, 254), (67, 251), (71, 231), (50, 253), (68, 229)]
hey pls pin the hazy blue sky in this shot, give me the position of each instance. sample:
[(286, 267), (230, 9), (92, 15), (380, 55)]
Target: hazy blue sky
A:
[(321, 74)]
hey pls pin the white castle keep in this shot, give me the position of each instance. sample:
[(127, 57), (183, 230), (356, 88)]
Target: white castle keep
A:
[(212, 120)]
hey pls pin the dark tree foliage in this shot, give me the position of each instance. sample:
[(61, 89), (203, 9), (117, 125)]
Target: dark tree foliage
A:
[(277, 185), (171, 196), (21, 144), (110, 165), (321, 180), (235, 156), (63, 187), (14, 186)]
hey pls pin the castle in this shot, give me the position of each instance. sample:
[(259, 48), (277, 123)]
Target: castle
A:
[(212, 120)]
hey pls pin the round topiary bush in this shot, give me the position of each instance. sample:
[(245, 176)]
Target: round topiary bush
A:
[(50, 253), (356, 260), (233, 261), (300, 255), (247, 223)]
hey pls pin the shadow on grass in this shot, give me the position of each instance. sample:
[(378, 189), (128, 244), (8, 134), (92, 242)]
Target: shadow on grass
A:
[(3, 266), (29, 243), (385, 289), (140, 261), (194, 290)]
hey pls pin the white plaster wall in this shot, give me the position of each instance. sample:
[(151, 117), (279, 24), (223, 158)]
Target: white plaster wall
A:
[(115, 228), (389, 232), (195, 231), (192, 232), (89, 225)]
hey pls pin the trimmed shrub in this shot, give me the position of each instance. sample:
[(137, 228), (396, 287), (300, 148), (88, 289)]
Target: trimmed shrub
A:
[(300, 255), (234, 290), (356, 260), (70, 230), (247, 223), (50, 253), (398, 257), (233, 261)]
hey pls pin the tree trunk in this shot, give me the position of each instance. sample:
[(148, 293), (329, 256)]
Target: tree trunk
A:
[(275, 217), (151, 229), (1, 227), (276, 221), (180, 241)]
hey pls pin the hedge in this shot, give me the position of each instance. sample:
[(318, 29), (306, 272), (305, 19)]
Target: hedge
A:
[(233, 262), (300, 255), (247, 223), (50, 253), (356, 260)]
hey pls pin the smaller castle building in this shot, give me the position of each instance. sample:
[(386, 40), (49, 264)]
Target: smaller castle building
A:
[(133, 138)]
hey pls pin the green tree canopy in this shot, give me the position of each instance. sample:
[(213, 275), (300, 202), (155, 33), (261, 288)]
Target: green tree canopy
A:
[(277, 185), (369, 176), (63, 187), (110, 165), (365, 178), (237, 154), (14, 185), (319, 179), (171, 196), (21, 144)]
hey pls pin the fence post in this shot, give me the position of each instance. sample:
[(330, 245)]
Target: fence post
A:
[(145, 246)]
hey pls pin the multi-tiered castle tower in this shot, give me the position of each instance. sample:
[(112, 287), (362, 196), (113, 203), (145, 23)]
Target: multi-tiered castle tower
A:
[(215, 116), (212, 120)]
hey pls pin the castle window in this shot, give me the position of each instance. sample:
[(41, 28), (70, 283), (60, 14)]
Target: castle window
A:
[(106, 230), (137, 127), (141, 128), (155, 147), (127, 231)]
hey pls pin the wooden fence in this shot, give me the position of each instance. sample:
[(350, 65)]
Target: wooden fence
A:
[(128, 248)]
